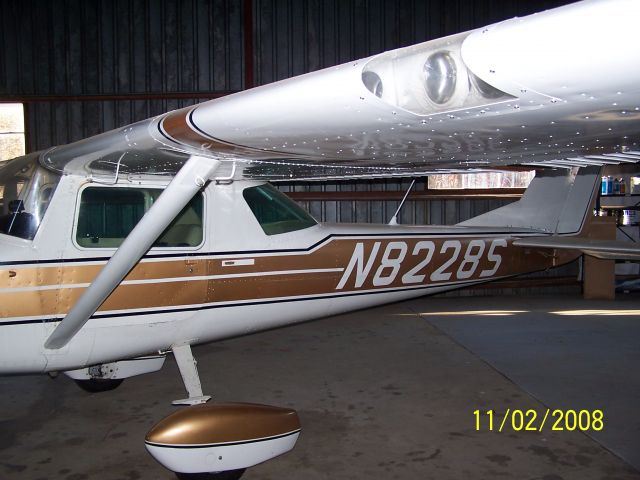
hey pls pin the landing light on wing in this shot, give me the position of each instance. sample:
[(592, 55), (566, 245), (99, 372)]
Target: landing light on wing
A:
[(429, 78)]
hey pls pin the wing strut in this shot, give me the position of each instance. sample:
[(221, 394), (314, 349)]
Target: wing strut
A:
[(191, 178)]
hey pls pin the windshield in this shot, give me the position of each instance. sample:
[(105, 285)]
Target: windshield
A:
[(25, 191)]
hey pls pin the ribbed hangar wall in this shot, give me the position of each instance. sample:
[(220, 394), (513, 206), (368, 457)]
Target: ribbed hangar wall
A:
[(90, 66), (420, 212)]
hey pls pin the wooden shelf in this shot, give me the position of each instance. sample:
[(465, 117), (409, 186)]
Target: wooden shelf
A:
[(620, 202)]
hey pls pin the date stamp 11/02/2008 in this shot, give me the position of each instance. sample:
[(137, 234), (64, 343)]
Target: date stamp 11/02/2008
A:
[(531, 420)]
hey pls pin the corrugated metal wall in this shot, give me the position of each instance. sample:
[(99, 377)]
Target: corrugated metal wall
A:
[(123, 60), (74, 47), (414, 212)]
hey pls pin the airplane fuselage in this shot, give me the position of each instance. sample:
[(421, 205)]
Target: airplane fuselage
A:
[(241, 275)]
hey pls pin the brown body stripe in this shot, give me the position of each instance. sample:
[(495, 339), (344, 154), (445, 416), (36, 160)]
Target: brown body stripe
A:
[(335, 254)]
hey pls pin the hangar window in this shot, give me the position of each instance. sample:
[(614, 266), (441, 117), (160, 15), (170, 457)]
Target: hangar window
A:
[(12, 143), (481, 180), (107, 215), (276, 213)]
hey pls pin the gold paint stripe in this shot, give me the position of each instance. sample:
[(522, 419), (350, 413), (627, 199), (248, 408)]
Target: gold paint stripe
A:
[(146, 287), (334, 254), (173, 279)]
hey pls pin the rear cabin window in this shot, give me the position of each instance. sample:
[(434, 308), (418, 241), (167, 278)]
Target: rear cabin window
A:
[(276, 213), (107, 216)]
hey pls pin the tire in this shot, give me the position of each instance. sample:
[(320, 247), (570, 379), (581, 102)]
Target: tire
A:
[(227, 475), (95, 385)]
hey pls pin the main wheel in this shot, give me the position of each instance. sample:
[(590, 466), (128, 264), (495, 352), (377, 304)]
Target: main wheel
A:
[(228, 475), (95, 385)]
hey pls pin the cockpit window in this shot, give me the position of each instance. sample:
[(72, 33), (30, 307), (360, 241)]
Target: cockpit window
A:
[(276, 213), (26, 189), (108, 214)]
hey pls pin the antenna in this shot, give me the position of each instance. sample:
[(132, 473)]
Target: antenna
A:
[(394, 219)]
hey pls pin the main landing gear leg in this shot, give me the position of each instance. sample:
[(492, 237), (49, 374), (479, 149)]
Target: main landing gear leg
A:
[(188, 370)]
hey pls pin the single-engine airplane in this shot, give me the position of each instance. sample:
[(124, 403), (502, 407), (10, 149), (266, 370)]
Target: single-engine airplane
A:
[(164, 234)]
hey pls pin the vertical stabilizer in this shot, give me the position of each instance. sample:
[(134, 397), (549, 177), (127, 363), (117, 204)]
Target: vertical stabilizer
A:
[(557, 201)]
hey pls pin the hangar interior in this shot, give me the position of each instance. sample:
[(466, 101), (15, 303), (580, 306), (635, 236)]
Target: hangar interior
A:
[(385, 392)]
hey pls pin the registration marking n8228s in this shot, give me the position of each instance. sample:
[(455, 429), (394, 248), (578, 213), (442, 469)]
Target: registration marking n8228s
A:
[(447, 261)]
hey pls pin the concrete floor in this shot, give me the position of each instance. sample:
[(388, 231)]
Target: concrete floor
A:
[(383, 393)]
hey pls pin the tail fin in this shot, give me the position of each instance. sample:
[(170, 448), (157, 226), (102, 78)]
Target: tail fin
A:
[(557, 201), (561, 204)]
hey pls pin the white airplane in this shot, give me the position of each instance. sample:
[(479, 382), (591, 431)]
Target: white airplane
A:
[(164, 234)]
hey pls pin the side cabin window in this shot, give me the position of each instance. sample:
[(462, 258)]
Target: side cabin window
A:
[(107, 216), (276, 213)]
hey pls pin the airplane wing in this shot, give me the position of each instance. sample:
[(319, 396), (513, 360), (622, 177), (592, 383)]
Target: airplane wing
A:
[(559, 88)]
